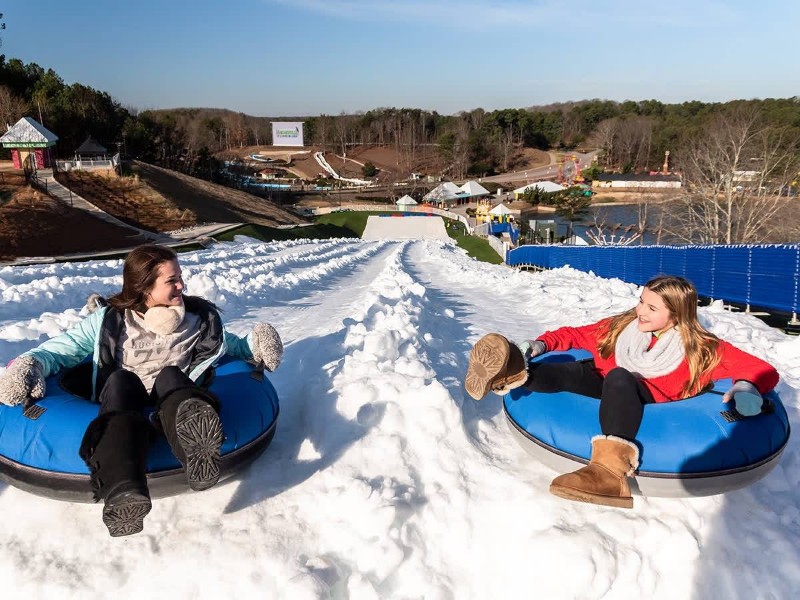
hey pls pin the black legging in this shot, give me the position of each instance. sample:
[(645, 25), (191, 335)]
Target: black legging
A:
[(124, 390), (622, 396)]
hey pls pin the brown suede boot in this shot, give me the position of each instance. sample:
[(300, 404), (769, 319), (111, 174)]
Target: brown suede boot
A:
[(605, 479), (494, 364)]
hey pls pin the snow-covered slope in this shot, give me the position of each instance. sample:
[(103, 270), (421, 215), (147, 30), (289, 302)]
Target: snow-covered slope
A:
[(385, 480)]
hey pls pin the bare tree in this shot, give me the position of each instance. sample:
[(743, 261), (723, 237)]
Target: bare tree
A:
[(625, 142), (604, 137), (12, 108), (733, 172), (634, 134), (507, 144), (650, 210), (343, 124), (571, 127), (237, 130), (461, 150), (324, 131)]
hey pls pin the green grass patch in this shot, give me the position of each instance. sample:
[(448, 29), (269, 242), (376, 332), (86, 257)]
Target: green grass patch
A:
[(476, 247), (355, 221), (318, 231), (334, 225), (352, 224)]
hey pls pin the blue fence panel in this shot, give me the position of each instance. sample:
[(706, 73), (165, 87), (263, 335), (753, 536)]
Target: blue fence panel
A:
[(698, 267), (582, 260), (774, 276), (560, 257), (628, 265), (650, 263), (731, 274), (588, 259), (762, 276), (606, 265), (546, 257), (711, 291), (520, 256), (673, 261)]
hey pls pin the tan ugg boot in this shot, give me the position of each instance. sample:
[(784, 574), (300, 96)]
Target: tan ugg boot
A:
[(494, 364), (605, 479)]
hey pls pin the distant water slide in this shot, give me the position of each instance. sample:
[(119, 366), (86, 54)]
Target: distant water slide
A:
[(417, 227), (318, 156), (259, 158)]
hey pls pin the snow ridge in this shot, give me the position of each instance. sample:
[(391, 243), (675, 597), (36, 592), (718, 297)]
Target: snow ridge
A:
[(384, 480)]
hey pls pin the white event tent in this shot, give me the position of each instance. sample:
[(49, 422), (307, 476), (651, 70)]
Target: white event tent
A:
[(543, 186), (444, 193), (406, 201), (501, 210), (474, 189)]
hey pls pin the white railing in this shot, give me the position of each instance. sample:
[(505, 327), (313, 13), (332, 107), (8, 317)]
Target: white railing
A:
[(73, 165), (499, 246), (482, 229)]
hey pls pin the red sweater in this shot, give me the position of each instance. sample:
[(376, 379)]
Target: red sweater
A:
[(734, 363)]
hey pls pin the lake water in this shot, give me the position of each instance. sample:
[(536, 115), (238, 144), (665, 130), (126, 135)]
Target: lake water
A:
[(614, 218)]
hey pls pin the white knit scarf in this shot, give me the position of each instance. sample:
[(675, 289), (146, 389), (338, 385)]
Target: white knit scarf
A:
[(631, 353), (164, 320)]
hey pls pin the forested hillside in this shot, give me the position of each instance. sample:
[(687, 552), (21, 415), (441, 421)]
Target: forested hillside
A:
[(633, 134)]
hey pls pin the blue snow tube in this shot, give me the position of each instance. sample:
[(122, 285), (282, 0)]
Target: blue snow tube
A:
[(40, 454), (695, 447)]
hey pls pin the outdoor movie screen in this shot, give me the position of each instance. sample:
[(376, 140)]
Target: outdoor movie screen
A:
[(287, 134)]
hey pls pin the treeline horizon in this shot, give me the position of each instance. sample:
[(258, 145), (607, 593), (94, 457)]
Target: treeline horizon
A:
[(633, 135)]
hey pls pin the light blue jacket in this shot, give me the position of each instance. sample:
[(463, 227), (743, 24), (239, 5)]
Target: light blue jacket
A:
[(92, 336)]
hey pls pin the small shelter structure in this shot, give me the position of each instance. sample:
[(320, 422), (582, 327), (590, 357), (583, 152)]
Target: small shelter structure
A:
[(91, 149), (31, 144), (444, 195), (502, 213), (473, 189), (547, 187), (405, 202), (501, 224)]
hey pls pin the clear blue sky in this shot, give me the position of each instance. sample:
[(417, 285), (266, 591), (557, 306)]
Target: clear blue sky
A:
[(307, 57)]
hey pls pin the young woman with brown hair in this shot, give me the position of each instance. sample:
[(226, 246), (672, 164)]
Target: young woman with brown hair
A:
[(655, 352), (151, 346)]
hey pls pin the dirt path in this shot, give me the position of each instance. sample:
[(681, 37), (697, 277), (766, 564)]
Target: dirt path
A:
[(212, 202), (32, 224)]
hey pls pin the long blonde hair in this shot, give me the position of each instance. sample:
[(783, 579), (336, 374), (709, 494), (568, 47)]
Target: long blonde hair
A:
[(700, 346)]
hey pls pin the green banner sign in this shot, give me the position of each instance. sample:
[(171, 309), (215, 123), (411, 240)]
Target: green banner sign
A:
[(27, 144)]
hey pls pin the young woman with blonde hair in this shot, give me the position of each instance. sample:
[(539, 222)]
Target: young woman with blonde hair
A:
[(655, 352)]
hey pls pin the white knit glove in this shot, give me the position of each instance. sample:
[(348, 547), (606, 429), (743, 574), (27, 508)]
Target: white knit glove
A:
[(22, 379), (532, 348), (266, 345)]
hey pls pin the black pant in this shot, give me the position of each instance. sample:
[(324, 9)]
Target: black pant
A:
[(622, 396), (115, 443), (124, 390)]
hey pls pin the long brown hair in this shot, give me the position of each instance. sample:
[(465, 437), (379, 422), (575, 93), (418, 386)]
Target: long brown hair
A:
[(700, 346), (139, 275)]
